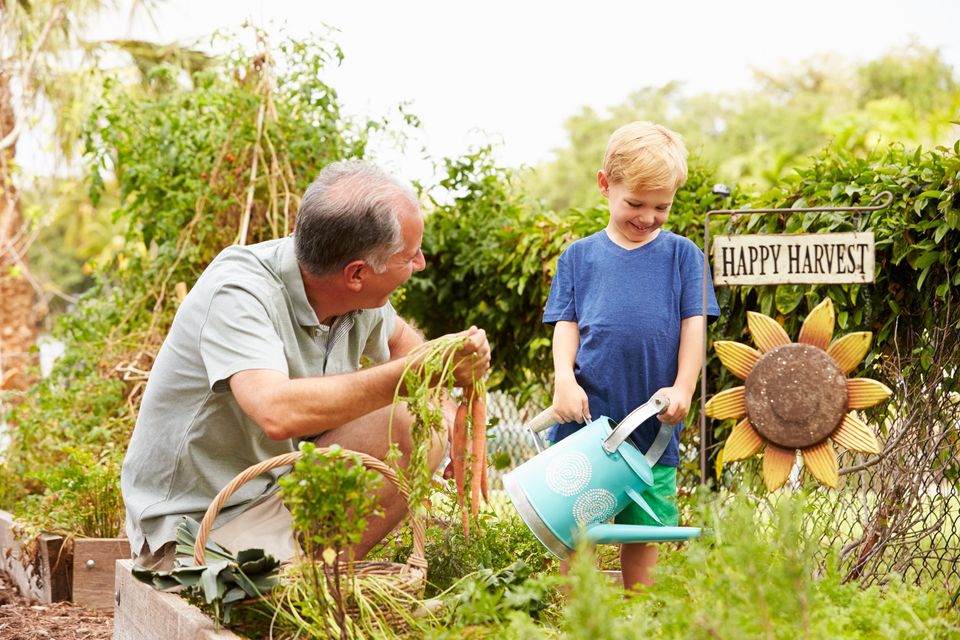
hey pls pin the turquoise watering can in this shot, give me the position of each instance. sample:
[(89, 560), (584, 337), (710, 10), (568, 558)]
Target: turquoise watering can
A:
[(573, 487)]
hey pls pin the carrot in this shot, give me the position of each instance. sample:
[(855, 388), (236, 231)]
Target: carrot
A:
[(483, 475), (458, 449), (478, 409)]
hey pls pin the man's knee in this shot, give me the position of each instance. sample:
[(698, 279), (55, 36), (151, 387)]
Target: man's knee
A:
[(375, 433)]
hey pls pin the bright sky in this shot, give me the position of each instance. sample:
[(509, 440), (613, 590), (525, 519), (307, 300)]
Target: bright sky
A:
[(513, 71)]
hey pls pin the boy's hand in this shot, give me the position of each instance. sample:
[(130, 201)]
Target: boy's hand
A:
[(679, 404), (570, 402)]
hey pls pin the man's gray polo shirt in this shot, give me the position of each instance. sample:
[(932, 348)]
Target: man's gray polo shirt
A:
[(247, 311)]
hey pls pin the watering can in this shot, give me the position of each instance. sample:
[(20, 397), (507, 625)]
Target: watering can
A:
[(569, 490)]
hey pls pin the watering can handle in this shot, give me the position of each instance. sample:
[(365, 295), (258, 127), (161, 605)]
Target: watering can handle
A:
[(654, 406), (542, 421)]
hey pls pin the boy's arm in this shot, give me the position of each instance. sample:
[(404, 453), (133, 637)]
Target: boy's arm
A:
[(569, 399), (689, 359)]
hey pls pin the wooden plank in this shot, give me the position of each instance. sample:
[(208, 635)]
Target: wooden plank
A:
[(94, 570), (143, 613), (57, 566), (43, 576), (614, 575)]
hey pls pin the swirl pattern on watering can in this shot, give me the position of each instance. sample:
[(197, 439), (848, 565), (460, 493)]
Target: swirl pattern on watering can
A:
[(595, 505), (569, 473)]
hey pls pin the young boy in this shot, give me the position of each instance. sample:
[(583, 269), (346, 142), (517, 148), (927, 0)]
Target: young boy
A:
[(627, 308)]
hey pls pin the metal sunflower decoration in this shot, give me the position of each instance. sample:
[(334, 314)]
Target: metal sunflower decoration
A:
[(796, 396)]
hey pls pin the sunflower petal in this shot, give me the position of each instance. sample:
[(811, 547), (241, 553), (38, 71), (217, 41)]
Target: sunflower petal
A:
[(777, 463), (850, 350), (856, 435), (767, 332), (718, 464), (727, 404), (821, 461), (738, 358), (817, 329), (864, 392), (743, 442)]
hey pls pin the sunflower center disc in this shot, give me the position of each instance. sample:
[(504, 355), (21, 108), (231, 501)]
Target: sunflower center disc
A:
[(796, 395)]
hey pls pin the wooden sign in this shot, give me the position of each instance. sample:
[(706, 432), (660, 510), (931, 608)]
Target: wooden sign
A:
[(793, 258)]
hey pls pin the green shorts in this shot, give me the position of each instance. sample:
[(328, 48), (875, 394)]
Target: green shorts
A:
[(662, 498)]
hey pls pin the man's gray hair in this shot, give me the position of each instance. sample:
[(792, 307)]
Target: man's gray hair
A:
[(350, 213)]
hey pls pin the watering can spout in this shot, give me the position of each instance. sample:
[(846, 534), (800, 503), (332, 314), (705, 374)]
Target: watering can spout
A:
[(637, 533)]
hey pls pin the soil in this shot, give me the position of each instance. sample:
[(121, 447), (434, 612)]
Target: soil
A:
[(25, 619)]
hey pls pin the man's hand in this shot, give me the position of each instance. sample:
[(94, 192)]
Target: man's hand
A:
[(472, 359), (570, 403)]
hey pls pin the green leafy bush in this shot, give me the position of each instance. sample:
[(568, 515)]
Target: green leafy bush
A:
[(331, 496), (491, 597), (81, 497), (755, 576), (500, 540), (917, 268)]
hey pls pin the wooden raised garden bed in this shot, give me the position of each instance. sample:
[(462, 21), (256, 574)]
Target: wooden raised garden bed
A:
[(82, 572), (143, 613)]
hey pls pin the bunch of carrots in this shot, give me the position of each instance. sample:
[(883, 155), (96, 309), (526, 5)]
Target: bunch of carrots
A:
[(470, 426), (425, 386)]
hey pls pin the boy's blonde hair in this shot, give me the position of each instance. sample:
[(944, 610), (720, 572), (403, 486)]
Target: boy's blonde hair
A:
[(646, 156)]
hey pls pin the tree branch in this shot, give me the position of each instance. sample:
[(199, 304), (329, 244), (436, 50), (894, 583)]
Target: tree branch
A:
[(58, 11)]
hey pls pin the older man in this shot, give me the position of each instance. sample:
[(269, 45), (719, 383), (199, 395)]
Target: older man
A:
[(266, 350)]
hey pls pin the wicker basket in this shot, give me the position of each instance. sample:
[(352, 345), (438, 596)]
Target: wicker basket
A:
[(410, 576)]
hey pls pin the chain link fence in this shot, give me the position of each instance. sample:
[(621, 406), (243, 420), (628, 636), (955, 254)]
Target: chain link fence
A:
[(511, 443), (899, 512)]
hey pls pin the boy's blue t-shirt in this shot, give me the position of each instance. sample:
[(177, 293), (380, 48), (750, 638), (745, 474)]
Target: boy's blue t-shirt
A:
[(628, 304)]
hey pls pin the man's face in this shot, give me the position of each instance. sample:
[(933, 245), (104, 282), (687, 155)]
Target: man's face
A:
[(401, 265), (635, 216)]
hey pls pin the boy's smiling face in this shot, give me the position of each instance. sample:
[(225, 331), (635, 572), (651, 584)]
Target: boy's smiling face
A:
[(635, 216)]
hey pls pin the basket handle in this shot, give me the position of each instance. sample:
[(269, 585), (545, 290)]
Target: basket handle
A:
[(417, 558)]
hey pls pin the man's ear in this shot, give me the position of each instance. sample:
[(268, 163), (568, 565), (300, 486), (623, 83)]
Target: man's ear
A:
[(354, 274), (603, 183)]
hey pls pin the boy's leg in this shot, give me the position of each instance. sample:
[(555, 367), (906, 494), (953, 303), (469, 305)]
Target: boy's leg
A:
[(636, 560)]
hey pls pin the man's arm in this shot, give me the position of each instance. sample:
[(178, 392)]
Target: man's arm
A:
[(404, 339), (288, 408)]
